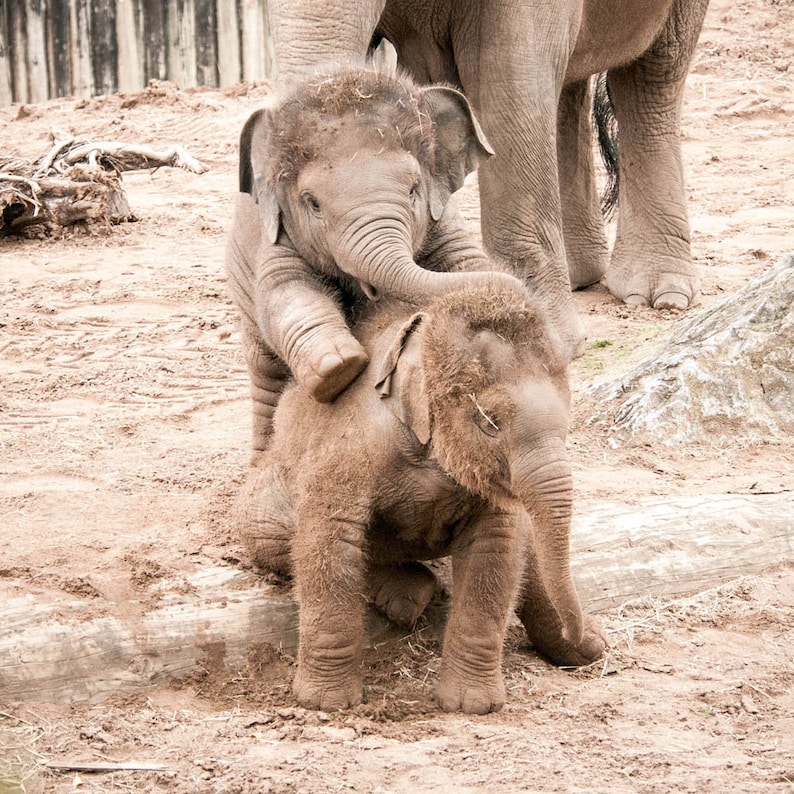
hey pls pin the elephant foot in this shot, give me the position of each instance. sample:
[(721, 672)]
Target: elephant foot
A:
[(677, 288), (327, 695), (570, 330), (334, 370), (563, 653), (456, 692), (402, 592), (586, 270)]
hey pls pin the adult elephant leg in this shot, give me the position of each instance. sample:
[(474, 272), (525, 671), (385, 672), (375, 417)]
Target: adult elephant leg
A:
[(582, 220), (486, 572), (514, 75), (307, 33), (651, 261)]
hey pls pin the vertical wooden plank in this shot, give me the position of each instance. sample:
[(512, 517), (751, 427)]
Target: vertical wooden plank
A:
[(269, 52), (6, 70), (104, 50), (253, 34), (80, 48), (181, 25), (154, 44), (60, 71), (206, 26), (38, 79), (128, 38), (229, 68), (19, 66)]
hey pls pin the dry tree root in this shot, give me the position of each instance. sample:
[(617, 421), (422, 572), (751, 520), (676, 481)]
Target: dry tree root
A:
[(77, 182)]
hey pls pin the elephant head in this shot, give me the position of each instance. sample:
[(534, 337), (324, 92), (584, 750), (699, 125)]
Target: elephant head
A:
[(481, 378), (350, 166)]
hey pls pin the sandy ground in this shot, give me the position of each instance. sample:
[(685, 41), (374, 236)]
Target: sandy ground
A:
[(124, 424)]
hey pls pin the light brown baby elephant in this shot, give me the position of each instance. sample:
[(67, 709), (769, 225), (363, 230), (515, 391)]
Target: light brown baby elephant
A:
[(345, 185), (451, 443)]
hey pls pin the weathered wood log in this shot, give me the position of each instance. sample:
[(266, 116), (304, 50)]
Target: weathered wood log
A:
[(54, 647), (229, 69), (724, 372), (129, 41), (80, 49), (181, 40), (78, 181), (156, 59), (6, 65), (664, 548), (254, 40), (36, 50), (104, 48), (93, 196)]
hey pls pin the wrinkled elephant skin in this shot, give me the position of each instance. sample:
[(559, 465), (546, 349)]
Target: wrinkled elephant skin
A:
[(451, 443), (345, 183), (525, 68)]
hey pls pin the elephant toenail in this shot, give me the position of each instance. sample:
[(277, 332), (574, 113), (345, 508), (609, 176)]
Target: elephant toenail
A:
[(635, 299)]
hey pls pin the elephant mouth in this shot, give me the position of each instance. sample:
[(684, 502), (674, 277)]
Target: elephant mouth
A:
[(372, 292)]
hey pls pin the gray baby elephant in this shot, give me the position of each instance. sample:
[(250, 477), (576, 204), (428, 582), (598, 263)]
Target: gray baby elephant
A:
[(345, 180), (451, 443)]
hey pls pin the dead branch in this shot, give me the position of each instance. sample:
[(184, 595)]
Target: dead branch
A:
[(78, 182), (125, 766)]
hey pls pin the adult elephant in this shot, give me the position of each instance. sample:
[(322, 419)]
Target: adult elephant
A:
[(526, 67)]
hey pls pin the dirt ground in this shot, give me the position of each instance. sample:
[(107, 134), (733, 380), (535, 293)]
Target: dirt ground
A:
[(124, 425)]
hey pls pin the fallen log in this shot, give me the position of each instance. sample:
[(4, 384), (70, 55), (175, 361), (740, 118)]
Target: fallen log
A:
[(77, 182), (723, 374), (55, 648)]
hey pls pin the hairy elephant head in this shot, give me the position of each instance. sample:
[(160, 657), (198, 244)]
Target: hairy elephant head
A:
[(481, 378), (349, 166), (480, 375)]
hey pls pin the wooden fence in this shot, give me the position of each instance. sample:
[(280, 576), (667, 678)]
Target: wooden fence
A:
[(82, 48)]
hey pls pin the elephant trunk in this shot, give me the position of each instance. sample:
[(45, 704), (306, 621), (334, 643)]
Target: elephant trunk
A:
[(542, 480), (379, 254)]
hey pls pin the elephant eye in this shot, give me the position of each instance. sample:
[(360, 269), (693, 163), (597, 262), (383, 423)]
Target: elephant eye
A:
[(413, 193), (486, 423), (311, 202)]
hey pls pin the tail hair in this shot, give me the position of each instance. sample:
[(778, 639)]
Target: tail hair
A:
[(606, 125)]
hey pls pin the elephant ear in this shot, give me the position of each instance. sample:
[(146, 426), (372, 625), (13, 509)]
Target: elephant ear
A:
[(461, 144), (401, 380), (255, 149)]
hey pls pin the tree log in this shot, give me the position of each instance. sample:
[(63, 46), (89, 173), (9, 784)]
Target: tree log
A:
[(54, 647), (78, 181), (725, 373)]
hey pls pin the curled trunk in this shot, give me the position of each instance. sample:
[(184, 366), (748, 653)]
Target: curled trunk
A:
[(382, 261)]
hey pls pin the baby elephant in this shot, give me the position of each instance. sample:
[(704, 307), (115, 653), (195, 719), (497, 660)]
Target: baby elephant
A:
[(452, 443), (345, 180)]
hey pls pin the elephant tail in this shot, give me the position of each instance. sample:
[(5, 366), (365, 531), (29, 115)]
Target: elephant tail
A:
[(606, 125)]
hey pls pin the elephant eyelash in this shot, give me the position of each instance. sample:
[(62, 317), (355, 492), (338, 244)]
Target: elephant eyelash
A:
[(311, 202), (483, 420)]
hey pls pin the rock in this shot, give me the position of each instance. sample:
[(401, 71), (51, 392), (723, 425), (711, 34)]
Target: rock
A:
[(724, 372)]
